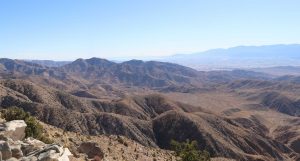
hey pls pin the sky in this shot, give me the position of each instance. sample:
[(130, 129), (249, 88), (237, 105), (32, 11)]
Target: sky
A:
[(115, 29)]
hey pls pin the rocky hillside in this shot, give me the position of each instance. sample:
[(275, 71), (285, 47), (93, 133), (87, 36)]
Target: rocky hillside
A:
[(234, 114), (150, 120), (112, 147), (276, 95), (70, 146)]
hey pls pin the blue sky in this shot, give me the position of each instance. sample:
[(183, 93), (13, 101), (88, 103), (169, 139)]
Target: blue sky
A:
[(69, 29)]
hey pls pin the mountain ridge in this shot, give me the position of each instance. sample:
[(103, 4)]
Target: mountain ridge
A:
[(240, 57)]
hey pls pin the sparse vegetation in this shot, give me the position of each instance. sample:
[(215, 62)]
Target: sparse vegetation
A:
[(188, 151), (34, 128), (122, 141)]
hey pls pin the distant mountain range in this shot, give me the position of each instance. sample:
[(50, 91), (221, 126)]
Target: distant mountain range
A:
[(151, 74), (241, 57)]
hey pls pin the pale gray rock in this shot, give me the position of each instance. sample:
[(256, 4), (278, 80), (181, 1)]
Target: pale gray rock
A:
[(14, 129), (50, 155), (30, 144)]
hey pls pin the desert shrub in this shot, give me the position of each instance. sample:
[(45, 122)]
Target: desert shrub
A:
[(122, 141), (188, 151), (14, 113), (34, 128)]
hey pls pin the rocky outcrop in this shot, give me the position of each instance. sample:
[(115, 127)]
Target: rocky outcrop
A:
[(14, 147), (50, 153)]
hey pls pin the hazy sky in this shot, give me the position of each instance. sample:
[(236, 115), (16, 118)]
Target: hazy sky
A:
[(69, 29)]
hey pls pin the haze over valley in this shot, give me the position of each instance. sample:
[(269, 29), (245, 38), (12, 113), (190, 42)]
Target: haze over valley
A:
[(245, 57)]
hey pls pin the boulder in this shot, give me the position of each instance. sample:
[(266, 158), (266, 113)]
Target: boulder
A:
[(31, 144), (66, 155), (51, 153), (56, 148), (91, 149), (14, 129)]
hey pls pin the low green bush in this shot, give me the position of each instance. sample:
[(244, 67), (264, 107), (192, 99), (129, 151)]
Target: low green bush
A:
[(14, 113), (34, 128), (188, 151)]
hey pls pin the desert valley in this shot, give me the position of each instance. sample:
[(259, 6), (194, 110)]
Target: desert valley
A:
[(237, 114)]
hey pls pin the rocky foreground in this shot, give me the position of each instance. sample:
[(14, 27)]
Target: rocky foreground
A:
[(14, 146)]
